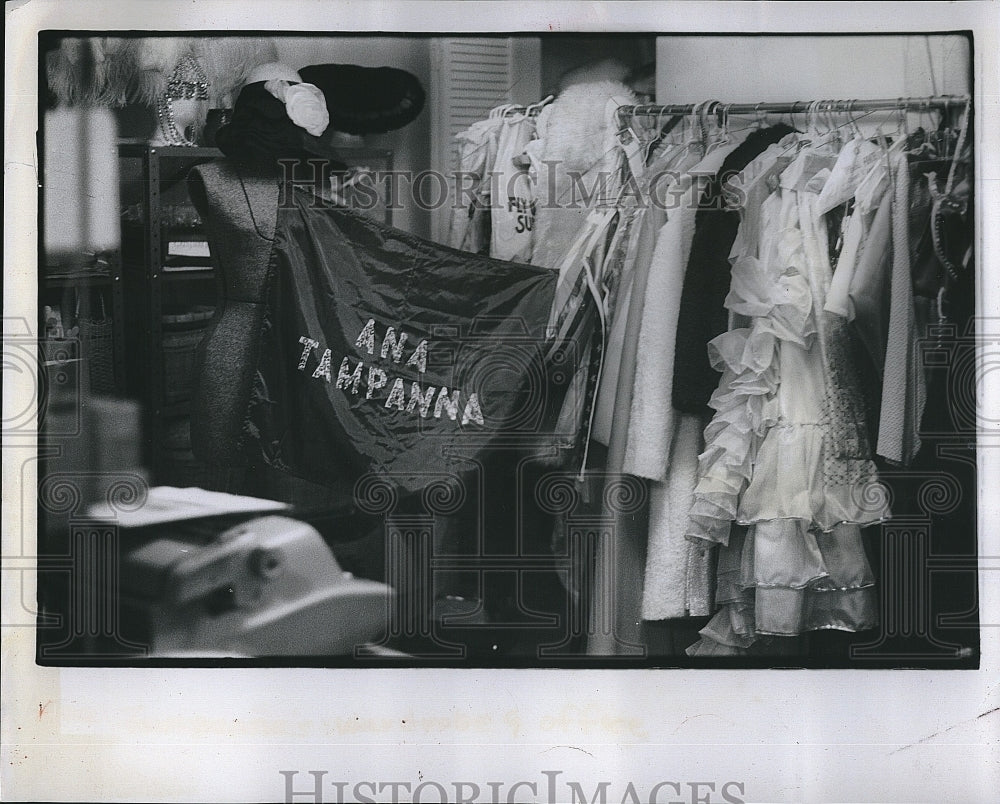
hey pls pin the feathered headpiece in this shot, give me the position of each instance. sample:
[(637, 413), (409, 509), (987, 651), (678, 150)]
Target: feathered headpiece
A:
[(228, 62), (114, 71), (95, 71)]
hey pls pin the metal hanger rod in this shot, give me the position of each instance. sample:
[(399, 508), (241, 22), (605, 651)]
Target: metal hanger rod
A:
[(799, 107)]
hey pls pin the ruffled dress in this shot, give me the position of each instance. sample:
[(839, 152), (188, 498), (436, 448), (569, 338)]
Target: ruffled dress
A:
[(785, 482)]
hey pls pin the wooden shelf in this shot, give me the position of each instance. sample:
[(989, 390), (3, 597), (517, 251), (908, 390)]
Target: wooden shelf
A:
[(81, 279), (195, 274), (142, 149)]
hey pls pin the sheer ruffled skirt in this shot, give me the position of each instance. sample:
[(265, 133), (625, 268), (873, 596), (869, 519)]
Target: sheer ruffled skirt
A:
[(785, 482)]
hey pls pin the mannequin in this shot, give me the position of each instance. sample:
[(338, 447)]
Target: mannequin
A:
[(240, 257)]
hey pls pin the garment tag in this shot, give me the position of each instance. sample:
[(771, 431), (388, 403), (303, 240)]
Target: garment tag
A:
[(633, 152)]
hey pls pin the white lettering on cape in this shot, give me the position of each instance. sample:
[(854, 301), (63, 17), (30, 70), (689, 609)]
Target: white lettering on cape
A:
[(420, 401), (346, 377), (323, 369), (366, 339), (423, 399)]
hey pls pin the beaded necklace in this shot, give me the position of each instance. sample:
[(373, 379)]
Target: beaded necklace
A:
[(187, 82)]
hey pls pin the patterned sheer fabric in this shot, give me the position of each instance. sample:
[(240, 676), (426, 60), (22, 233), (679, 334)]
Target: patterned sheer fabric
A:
[(786, 480)]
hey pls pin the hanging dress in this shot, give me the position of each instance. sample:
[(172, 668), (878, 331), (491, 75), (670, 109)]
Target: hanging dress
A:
[(673, 564), (786, 480)]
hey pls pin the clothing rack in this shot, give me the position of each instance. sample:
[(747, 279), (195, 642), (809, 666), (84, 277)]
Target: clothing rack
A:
[(941, 102)]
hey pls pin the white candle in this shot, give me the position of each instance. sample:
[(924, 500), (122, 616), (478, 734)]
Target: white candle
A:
[(81, 183)]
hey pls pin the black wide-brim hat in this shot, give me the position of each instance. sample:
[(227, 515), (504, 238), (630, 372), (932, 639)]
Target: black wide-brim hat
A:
[(360, 100), (367, 100), (260, 132)]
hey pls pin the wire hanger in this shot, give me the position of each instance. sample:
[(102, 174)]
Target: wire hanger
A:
[(535, 108), (715, 114), (693, 131), (655, 140), (702, 115), (626, 128), (852, 120), (722, 110), (515, 113), (812, 129), (834, 134), (634, 121), (760, 116), (822, 116)]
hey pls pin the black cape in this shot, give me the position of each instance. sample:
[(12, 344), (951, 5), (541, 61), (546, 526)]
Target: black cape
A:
[(385, 354)]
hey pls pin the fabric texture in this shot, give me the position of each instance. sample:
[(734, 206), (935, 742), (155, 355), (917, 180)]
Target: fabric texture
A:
[(240, 250), (854, 162), (512, 213), (614, 400), (577, 321), (703, 314), (613, 407), (624, 558), (389, 355), (617, 598), (651, 420), (677, 581), (622, 251), (869, 290), (672, 562), (904, 389), (470, 226), (580, 147), (786, 456)]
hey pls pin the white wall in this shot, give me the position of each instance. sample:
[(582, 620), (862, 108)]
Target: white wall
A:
[(747, 69), (411, 146)]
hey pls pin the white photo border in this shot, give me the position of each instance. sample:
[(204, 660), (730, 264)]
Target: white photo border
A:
[(227, 734)]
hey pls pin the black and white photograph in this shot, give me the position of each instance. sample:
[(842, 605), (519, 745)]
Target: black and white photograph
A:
[(500, 402)]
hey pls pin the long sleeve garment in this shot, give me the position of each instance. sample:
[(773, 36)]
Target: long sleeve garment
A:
[(873, 289), (651, 421), (703, 314), (677, 580), (614, 396), (470, 224), (904, 390), (617, 598), (676, 576)]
